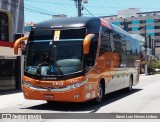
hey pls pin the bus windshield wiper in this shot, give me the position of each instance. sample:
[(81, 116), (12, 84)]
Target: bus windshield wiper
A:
[(57, 67), (54, 52)]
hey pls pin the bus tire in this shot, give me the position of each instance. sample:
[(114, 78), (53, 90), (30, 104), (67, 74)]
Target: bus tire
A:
[(50, 102), (130, 87), (100, 95)]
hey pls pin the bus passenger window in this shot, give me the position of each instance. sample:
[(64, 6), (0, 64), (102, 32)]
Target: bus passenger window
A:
[(105, 43), (118, 43)]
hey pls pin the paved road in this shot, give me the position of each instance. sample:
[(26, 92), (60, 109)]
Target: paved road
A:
[(145, 98)]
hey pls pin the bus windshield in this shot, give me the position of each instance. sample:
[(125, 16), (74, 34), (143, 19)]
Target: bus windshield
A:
[(47, 57)]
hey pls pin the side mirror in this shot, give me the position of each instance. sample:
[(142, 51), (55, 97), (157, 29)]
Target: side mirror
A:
[(86, 43), (17, 42)]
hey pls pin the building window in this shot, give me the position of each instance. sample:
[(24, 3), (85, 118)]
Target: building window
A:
[(150, 21), (157, 20), (117, 23), (157, 27), (150, 27), (129, 29), (157, 34), (142, 21), (154, 14), (135, 22), (135, 28), (4, 34), (140, 15), (129, 22), (122, 23), (151, 34)]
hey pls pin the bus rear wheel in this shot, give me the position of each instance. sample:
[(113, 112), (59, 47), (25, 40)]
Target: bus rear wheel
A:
[(130, 87), (99, 97)]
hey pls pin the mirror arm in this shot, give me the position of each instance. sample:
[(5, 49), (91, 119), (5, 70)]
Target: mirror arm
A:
[(17, 42), (86, 43)]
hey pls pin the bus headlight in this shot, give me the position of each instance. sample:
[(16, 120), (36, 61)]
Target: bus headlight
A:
[(26, 84), (76, 85)]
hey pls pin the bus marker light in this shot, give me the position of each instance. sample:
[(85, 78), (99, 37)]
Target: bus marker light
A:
[(88, 95), (76, 96), (25, 94), (89, 86), (93, 94)]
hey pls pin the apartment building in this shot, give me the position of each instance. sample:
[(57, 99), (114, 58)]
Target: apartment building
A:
[(136, 22)]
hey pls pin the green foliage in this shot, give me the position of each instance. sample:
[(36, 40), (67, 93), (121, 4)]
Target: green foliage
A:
[(158, 65), (152, 64)]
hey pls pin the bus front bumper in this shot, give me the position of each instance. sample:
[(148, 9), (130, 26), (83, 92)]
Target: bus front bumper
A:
[(80, 94)]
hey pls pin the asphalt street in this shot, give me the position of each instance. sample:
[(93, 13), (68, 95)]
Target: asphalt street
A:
[(145, 98)]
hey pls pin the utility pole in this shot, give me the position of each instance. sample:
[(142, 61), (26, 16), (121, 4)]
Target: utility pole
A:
[(79, 8), (146, 46)]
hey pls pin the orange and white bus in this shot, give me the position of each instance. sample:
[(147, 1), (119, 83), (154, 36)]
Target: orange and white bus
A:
[(78, 59)]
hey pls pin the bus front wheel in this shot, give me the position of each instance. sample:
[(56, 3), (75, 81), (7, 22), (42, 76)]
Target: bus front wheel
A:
[(50, 102), (99, 97)]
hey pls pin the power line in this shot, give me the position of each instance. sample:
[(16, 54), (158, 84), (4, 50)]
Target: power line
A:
[(87, 10), (39, 9), (44, 12), (28, 9), (48, 2), (94, 6)]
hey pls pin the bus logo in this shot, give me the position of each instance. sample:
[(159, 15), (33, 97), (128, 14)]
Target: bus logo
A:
[(49, 89)]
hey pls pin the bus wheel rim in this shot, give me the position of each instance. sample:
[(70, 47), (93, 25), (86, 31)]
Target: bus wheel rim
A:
[(130, 85), (100, 94)]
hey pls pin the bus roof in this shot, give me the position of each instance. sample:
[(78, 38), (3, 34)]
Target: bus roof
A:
[(78, 22), (73, 22)]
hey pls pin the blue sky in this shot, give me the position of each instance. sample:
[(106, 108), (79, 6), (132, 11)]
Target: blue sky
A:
[(40, 10)]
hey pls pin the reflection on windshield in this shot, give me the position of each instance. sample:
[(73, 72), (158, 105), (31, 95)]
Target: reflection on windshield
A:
[(49, 57)]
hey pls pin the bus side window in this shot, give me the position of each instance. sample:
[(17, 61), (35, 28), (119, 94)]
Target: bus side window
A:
[(105, 42), (118, 44), (128, 45)]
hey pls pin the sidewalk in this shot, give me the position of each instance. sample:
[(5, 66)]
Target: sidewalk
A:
[(6, 92)]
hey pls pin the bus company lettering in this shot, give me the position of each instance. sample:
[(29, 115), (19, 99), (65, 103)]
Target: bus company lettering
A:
[(58, 83), (74, 80), (49, 78), (54, 83)]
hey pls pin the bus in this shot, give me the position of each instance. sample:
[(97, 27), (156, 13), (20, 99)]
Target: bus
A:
[(78, 59)]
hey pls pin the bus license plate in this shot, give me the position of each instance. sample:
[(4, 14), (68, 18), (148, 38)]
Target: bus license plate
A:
[(48, 96)]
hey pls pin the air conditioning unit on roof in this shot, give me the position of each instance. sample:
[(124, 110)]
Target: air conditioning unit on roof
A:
[(85, 1)]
